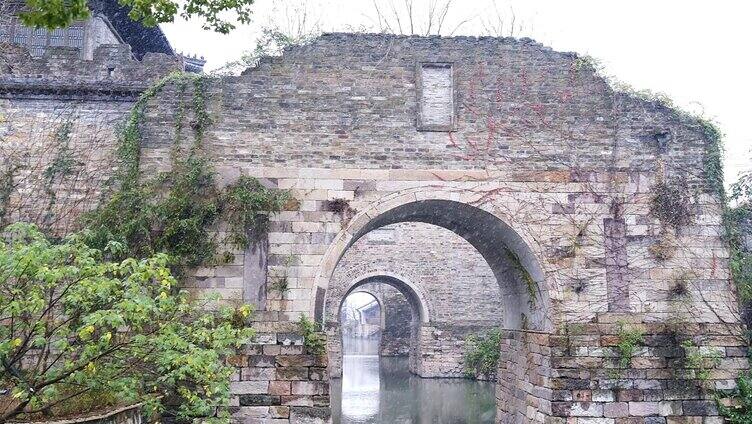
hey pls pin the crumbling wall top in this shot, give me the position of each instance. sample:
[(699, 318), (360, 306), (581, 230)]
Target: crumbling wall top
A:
[(61, 71)]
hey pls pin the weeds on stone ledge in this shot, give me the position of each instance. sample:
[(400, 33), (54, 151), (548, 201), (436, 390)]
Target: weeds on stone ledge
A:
[(481, 357), (314, 339)]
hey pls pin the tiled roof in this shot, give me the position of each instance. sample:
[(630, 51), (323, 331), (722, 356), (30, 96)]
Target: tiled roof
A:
[(142, 39)]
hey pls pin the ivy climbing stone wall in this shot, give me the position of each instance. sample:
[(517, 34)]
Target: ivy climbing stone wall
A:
[(623, 313), (58, 119)]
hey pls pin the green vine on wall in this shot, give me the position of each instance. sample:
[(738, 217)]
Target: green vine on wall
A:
[(63, 164), (177, 211), (6, 189), (523, 274)]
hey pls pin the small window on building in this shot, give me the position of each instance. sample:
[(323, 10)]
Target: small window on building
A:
[(76, 36), (39, 40), (436, 108), (57, 37)]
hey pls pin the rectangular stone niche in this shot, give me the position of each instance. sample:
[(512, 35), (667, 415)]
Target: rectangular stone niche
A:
[(436, 105)]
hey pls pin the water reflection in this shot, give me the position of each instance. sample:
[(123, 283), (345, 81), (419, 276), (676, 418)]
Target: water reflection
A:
[(382, 390), (357, 346)]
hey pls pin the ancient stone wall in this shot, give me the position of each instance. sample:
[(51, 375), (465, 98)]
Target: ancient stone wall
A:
[(395, 338), (62, 109), (112, 74), (668, 379), (523, 388), (545, 170)]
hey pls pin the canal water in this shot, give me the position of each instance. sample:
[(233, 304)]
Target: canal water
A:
[(380, 390)]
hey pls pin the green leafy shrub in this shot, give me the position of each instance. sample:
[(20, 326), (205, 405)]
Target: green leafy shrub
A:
[(313, 338), (80, 331), (740, 409), (481, 356), (171, 215)]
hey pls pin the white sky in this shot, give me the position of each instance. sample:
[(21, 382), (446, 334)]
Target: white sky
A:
[(359, 299), (695, 51)]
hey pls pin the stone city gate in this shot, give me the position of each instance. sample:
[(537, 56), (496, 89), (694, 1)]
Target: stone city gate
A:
[(419, 315), (524, 152), (451, 286)]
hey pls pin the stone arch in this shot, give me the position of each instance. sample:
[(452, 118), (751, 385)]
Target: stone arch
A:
[(415, 298), (373, 295), (504, 243), (411, 291)]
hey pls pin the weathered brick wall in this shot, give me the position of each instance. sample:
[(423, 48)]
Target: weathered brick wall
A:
[(30, 131), (523, 388), (277, 380), (661, 383), (61, 107), (111, 74), (541, 144)]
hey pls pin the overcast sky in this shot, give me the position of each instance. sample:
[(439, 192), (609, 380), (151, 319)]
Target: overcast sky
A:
[(697, 52), (358, 299)]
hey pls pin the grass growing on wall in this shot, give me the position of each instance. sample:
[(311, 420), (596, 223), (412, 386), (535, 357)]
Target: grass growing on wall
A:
[(314, 339)]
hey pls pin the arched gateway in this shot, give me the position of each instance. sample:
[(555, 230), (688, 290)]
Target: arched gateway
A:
[(524, 152), (415, 298), (522, 280), (520, 276)]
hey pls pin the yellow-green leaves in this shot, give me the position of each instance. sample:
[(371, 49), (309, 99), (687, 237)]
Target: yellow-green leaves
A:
[(86, 332), (123, 330)]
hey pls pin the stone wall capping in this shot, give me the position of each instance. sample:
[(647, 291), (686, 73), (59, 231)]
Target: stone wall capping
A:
[(111, 75)]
